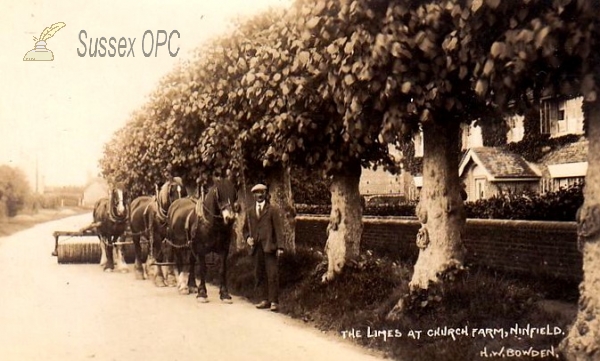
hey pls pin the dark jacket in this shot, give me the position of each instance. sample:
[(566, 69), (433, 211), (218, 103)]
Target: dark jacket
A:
[(266, 230)]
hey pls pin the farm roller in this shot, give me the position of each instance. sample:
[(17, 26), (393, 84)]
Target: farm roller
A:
[(76, 250)]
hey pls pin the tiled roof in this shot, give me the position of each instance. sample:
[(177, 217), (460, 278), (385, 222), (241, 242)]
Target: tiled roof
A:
[(570, 153), (500, 163)]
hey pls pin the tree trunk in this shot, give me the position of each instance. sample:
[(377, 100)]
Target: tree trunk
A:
[(245, 200), (280, 190), (345, 224), (583, 340), (440, 209)]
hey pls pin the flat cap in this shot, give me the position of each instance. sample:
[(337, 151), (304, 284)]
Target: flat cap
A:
[(259, 187)]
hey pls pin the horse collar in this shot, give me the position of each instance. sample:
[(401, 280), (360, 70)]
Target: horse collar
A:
[(117, 219)]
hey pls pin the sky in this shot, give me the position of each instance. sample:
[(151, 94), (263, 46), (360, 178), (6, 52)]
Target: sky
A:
[(55, 116)]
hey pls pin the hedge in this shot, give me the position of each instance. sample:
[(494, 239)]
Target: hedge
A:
[(561, 205)]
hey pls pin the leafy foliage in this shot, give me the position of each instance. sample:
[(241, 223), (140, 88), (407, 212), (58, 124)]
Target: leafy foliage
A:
[(327, 84), (531, 122), (14, 190), (533, 148), (561, 205), (382, 210), (544, 45), (309, 188), (493, 129)]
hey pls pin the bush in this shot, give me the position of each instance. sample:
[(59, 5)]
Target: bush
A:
[(14, 190), (302, 208), (309, 187), (561, 205), (406, 209)]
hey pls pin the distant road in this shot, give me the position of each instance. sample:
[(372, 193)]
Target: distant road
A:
[(77, 312)]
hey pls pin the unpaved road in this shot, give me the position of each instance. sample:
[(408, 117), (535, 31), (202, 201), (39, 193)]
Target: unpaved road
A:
[(77, 312)]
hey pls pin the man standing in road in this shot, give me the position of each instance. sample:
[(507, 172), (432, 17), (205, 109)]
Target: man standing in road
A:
[(263, 233)]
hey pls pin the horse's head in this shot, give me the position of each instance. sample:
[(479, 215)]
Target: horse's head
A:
[(222, 198), (170, 191), (117, 201)]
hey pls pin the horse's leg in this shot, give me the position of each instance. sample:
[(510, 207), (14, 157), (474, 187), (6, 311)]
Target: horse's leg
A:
[(137, 266), (202, 293), (103, 258), (223, 291), (192, 277), (159, 279), (110, 261), (183, 268), (120, 257), (169, 270), (151, 260)]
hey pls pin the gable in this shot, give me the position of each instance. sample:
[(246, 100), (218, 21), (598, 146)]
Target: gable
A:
[(498, 164)]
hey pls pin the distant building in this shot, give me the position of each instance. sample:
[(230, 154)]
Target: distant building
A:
[(489, 171), (96, 189), (379, 182), (564, 167)]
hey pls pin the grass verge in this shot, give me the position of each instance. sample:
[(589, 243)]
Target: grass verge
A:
[(490, 309), (23, 221)]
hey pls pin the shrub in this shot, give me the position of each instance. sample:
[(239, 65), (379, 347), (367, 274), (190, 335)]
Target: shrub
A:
[(14, 190), (561, 205), (309, 187), (406, 209), (534, 147)]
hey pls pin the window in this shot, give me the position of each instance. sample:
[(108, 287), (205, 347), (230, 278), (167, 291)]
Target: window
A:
[(548, 115), (553, 116), (480, 188), (561, 110)]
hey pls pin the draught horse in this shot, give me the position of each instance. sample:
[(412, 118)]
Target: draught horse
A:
[(110, 221), (197, 227), (149, 219)]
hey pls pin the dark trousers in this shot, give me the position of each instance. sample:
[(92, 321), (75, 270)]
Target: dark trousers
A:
[(266, 275)]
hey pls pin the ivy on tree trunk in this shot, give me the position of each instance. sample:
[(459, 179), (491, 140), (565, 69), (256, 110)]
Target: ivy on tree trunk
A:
[(583, 340), (345, 224), (280, 189)]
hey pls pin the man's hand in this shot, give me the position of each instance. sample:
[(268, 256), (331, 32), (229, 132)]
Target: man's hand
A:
[(279, 252), (250, 241)]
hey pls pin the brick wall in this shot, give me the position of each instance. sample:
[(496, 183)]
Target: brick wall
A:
[(539, 249)]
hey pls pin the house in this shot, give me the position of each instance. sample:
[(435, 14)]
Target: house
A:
[(379, 182), (564, 167), (96, 189), (560, 116), (490, 171)]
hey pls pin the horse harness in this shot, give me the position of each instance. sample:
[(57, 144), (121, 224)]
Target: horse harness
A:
[(114, 218), (191, 228)]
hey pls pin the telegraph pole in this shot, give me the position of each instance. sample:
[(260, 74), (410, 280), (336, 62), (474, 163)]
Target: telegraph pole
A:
[(37, 174)]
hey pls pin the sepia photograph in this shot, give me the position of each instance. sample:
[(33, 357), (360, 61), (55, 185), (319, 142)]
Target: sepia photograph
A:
[(300, 180)]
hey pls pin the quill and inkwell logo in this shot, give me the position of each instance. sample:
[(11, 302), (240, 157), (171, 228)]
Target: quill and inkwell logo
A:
[(40, 52)]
